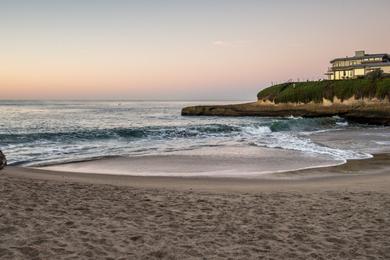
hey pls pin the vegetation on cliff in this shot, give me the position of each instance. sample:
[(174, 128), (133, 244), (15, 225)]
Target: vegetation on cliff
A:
[(305, 92)]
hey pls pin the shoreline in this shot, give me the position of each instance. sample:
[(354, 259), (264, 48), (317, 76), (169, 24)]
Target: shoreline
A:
[(209, 163), (356, 175)]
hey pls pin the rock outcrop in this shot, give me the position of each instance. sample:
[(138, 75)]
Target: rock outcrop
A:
[(362, 100), (363, 111), (3, 160)]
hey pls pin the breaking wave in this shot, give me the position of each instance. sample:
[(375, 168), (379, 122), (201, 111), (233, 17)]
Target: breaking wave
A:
[(122, 133), (144, 130)]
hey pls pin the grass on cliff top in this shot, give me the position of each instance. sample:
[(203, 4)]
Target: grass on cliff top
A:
[(315, 91)]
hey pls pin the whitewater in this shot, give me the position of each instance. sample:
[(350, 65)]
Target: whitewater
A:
[(42, 133)]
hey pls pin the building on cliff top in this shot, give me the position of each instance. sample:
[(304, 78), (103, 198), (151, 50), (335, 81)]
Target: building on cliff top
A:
[(358, 65)]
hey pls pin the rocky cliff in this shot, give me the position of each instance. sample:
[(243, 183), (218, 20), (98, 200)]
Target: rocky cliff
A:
[(356, 100)]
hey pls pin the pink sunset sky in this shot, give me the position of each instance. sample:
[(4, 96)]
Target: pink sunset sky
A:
[(177, 50)]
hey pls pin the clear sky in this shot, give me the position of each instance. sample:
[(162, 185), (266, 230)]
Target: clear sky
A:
[(177, 49)]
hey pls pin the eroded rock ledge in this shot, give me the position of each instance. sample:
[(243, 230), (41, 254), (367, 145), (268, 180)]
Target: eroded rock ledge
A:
[(369, 111)]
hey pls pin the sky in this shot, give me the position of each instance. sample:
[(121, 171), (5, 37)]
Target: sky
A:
[(177, 49)]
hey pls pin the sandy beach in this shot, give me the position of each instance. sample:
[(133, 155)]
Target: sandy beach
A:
[(341, 213), (200, 130)]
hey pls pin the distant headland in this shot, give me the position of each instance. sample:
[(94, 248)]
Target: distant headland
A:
[(358, 90)]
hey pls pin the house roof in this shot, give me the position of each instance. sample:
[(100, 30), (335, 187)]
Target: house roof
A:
[(380, 55), (379, 64), (372, 65)]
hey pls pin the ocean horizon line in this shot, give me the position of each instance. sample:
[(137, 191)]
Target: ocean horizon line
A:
[(132, 100)]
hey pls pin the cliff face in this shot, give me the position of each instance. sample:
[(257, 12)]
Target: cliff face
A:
[(370, 111)]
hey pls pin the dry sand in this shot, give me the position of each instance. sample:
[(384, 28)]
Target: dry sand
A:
[(341, 213)]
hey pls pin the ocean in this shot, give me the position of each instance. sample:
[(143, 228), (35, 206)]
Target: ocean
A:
[(42, 133)]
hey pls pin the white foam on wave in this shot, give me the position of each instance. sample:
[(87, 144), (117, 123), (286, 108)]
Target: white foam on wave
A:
[(289, 140), (383, 142), (294, 117), (259, 130), (342, 123)]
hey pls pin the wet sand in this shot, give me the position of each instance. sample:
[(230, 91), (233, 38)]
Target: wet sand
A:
[(242, 162), (340, 212)]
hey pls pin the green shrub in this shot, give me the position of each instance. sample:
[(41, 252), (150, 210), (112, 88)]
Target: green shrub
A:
[(315, 91), (375, 75)]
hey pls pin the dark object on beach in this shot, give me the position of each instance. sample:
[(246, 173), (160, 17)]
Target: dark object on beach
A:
[(3, 160)]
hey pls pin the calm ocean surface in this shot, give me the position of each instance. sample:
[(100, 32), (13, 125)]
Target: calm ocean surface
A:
[(37, 133)]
